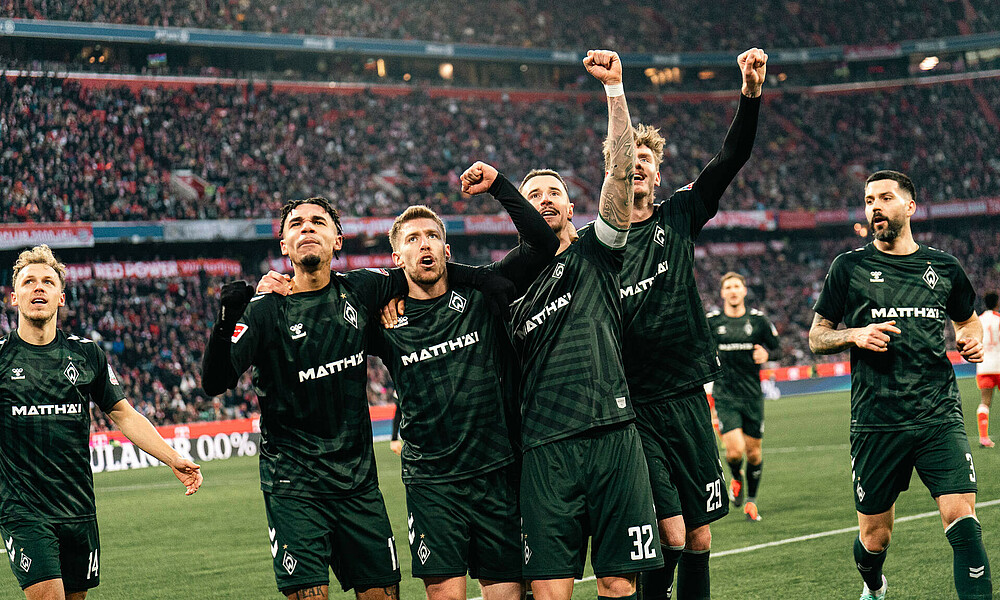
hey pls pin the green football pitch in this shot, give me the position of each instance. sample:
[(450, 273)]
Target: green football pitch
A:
[(159, 544)]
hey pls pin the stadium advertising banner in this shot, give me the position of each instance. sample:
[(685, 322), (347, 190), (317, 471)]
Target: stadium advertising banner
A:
[(56, 235), (200, 442), (155, 269)]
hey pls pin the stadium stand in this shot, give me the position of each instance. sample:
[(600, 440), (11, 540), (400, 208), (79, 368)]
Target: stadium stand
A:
[(74, 152), (634, 25)]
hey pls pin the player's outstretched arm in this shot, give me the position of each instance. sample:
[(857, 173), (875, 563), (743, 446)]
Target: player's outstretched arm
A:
[(825, 338), (538, 243), (738, 145), (217, 372), (969, 338), (142, 433), (616, 193)]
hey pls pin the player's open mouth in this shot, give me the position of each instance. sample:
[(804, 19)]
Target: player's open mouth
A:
[(427, 261), (549, 212), (39, 301)]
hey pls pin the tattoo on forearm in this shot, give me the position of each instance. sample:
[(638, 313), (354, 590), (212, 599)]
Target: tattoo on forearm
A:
[(825, 338), (392, 592), (616, 193)]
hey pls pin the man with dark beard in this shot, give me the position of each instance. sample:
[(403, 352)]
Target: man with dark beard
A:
[(895, 296), (317, 468)]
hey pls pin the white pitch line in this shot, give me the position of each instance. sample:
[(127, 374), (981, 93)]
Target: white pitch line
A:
[(812, 536), (795, 449)]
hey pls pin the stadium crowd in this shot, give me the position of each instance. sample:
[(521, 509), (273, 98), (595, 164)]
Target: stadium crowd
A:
[(632, 25), (73, 153), (154, 330)]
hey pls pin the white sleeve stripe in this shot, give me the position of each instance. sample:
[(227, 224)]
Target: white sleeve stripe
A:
[(609, 235)]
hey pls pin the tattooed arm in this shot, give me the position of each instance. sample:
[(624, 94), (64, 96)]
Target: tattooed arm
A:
[(616, 193)]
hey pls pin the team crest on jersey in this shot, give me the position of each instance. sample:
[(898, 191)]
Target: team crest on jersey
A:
[(721, 330), (457, 302), (297, 331), (558, 271), (16, 373), (748, 328), (931, 277), (238, 332), (25, 562), (288, 561), (72, 373), (659, 236), (350, 314), (423, 552)]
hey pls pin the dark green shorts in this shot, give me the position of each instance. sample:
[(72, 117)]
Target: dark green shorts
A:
[(39, 551), (744, 413), (590, 485), (683, 459), (883, 461), (467, 526), (308, 536)]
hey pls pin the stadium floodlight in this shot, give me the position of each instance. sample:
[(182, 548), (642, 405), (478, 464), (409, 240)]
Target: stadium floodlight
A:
[(929, 63)]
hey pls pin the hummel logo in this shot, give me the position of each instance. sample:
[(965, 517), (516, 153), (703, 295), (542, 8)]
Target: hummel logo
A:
[(977, 572), (17, 373), (10, 548), (72, 373), (297, 330), (931, 277), (409, 529), (274, 543), (558, 271), (350, 314), (876, 277)]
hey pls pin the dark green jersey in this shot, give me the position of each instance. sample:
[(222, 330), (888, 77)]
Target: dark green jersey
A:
[(453, 367), (913, 383), (667, 345), (567, 332), (45, 396), (735, 338), (308, 356)]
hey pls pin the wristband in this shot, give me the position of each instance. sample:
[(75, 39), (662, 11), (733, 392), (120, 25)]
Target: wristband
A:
[(614, 90)]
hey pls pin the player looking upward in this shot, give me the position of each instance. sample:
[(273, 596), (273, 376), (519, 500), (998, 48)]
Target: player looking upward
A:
[(745, 338), (455, 373), (896, 297), (48, 519), (668, 349)]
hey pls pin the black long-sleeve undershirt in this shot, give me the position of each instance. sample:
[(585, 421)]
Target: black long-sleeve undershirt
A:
[(736, 150), (538, 243)]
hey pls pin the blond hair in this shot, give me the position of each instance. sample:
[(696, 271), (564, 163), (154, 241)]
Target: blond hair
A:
[(645, 135), (40, 255), (732, 275), (418, 211)]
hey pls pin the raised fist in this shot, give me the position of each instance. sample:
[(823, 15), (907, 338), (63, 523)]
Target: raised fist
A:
[(604, 65), (753, 67), (478, 178)]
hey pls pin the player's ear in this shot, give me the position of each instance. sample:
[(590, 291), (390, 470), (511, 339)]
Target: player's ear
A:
[(447, 251), (569, 215), (911, 207), (13, 298), (338, 243), (62, 299), (656, 180), (284, 247), (397, 259)]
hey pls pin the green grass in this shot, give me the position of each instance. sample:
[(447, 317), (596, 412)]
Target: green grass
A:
[(158, 544)]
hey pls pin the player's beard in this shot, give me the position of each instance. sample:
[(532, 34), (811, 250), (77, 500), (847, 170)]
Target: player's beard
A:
[(425, 277), (892, 229), (310, 262), (40, 322)]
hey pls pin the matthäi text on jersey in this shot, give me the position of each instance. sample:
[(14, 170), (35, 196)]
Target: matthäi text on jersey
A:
[(906, 311)]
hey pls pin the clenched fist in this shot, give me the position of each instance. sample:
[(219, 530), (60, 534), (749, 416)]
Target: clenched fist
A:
[(753, 67), (604, 65)]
